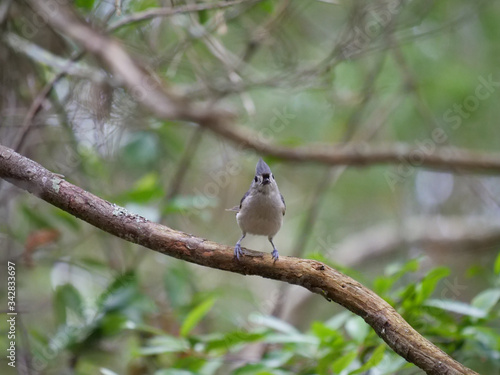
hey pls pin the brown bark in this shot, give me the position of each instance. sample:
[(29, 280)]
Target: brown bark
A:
[(312, 275)]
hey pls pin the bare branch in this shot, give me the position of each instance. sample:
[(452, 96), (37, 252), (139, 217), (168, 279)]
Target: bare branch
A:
[(142, 86), (312, 275), (167, 12), (364, 154), (36, 105), (436, 232), (4, 10), (59, 64)]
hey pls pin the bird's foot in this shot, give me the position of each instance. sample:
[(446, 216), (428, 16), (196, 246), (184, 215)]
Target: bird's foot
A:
[(275, 255), (237, 251)]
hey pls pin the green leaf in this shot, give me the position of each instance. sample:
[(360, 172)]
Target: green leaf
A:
[(181, 204), (391, 364), (68, 219), (195, 316), (267, 6), (428, 284), (84, 4), (486, 336), (497, 265), (325, 333), (341, 363), (67, 297), (141, 150), (357, 328), (294, 338), (338, 320), (272, 322), (203, 16), (145, 189), (398, 269), (112, 323), (382, 285), (120, 293), (486, 300), (232, 339), (456, 307), (178, 285), (173, 371), (59, 306), (105, 371), (34, 217), (393, 273), (147, 182), (375, 359), (165, 344), (277, 358), (258, 369), (474, 271), (140, 5), (65, 337)]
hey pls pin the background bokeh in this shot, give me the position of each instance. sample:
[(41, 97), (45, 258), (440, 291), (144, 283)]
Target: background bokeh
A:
[(295, 73)]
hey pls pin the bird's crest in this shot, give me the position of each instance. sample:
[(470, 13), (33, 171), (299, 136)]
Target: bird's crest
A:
[(262, 168)]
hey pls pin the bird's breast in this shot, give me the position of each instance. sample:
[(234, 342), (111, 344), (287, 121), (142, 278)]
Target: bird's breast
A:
[(261, 214)]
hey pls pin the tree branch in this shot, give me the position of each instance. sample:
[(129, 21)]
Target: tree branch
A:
[(437, 233), (164, 103), (405, 156), (312, 275), (167, 12)]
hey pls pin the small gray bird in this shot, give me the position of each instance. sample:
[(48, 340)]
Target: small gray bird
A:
[(261, 209)]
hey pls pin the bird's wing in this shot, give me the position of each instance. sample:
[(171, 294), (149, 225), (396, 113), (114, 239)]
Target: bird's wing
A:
[(238, 208), (244, 196), (284, 204)]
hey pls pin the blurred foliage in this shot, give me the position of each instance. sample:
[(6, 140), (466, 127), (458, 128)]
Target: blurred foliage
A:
[(342, 344), (295, 72)]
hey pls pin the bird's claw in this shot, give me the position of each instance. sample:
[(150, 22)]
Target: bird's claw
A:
[(275, 255), (237, 251)]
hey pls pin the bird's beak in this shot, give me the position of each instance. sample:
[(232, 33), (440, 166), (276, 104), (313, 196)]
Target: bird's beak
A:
[(266, 181)]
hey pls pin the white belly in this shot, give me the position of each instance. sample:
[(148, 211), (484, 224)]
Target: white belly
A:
[(261, 215)]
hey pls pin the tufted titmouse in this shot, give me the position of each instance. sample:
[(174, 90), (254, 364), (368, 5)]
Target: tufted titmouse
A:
[(261, 209)]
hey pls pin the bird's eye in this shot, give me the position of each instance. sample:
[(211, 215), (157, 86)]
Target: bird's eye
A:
[(256, 179)]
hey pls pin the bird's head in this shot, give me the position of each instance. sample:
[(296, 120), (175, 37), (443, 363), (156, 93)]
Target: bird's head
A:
[(264, 178)]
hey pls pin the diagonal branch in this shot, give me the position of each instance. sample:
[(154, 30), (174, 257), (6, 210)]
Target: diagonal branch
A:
[(312, 275)]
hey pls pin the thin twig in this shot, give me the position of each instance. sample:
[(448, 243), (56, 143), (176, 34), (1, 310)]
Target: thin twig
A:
[(183, 167), (44, 57), (36, 105), (118, 7), (167, 12)]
